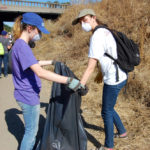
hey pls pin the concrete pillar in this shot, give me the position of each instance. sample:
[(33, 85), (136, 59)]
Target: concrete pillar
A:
[(1, 26)]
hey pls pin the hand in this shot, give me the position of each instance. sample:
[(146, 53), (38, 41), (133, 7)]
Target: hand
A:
[(74, 84), (84, 91), (54, 62)]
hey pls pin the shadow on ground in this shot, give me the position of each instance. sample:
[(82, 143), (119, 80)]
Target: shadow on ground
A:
[(16, 126), (14, 123), (90, 137)]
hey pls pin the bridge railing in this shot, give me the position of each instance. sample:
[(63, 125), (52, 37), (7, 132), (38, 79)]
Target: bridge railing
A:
[(33, 4)]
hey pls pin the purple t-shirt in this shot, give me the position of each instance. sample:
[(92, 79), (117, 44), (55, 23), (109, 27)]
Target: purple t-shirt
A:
[(27, 84)]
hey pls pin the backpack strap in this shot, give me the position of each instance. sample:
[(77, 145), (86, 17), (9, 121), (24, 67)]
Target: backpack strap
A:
[(100, 26), (110, 57), (116, 66), (117, 72)]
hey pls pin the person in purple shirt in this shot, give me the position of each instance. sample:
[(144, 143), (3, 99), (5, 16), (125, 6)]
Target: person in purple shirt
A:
[(27, 71)]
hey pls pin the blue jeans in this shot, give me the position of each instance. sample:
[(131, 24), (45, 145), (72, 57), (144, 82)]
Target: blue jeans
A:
[(109, 115), (31, 119), (4, 58)]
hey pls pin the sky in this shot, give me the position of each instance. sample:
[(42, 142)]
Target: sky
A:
[(60, 1), (9, 23)]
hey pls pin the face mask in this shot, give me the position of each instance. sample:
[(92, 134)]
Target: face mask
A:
[(86, 27), (37, 37)]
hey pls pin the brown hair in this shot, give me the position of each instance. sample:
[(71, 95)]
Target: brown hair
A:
[(19, 27), (100, 22)]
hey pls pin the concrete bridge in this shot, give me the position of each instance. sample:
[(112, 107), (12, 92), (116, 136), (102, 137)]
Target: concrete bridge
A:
[(10, 9)]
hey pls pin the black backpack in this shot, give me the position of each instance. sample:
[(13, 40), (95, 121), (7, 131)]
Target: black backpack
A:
[(127, 51)]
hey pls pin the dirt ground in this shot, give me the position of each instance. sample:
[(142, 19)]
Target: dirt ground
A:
[(11, 120), (135, 120)]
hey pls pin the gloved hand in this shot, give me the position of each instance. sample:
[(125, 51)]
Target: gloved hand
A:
[(84, 91), (54, 62), (74, 84)]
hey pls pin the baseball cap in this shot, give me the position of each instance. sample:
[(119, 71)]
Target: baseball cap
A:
[(35, 20), (3, 33), (83, 13)]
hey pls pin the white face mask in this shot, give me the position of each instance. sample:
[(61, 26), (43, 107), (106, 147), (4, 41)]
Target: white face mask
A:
[(86, 27), (37, 37)]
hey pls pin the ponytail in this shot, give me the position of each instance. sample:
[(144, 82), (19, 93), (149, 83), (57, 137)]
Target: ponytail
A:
[(101, 23), (17, 28)]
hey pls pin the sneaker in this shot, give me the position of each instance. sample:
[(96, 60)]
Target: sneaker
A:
[(0, 76)]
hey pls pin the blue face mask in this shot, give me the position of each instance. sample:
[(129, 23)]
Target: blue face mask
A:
[(37, 37)]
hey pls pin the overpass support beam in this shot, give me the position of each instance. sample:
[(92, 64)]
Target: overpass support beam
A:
[(1, 26)]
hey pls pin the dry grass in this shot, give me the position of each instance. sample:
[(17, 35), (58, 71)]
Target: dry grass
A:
[(69, 44)]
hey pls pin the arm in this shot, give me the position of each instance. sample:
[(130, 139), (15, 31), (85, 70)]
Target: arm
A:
[(89, 70), (45, 62), (48, 75)]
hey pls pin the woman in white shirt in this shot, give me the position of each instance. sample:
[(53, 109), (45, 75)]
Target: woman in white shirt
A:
[(102, 41)]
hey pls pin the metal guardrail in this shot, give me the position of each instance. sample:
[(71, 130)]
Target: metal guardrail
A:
[(23, 3)]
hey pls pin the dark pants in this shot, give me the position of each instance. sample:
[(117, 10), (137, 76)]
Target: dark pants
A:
[(110, 116), (4, 59)]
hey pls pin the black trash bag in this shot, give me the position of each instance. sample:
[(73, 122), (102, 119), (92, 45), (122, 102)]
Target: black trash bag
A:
[(63, 128)]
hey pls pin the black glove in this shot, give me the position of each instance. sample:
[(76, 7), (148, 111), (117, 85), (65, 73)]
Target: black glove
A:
[(84, 91)]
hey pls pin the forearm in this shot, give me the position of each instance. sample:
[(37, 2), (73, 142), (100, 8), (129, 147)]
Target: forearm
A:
[(51, 76), (90, 68), (48, 75), (86, 76), (45, 62)]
